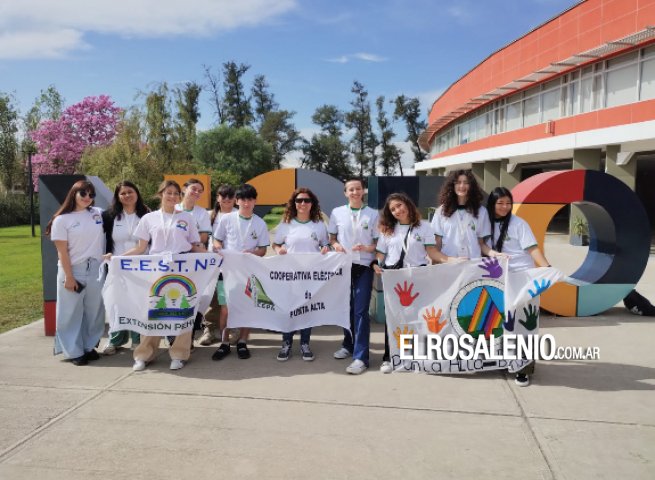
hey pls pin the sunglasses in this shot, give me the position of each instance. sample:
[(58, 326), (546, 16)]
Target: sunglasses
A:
[(304, 200), (84, 193)]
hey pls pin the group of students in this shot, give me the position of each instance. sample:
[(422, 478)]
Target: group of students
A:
[(396, 237)]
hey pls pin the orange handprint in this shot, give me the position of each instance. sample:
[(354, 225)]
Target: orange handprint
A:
[(405, 294), (398, 332), (432, 319)]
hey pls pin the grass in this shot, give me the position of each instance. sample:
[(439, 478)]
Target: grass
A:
[(273, 218), (21, 290)]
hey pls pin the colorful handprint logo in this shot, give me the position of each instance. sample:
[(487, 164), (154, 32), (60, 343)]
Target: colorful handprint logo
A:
[(405, 294), (432, 318)]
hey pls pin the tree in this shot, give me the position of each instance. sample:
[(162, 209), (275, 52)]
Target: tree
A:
[(214, 87), (389, 152), (326, 152), (236, 105), (238, 150), (48, 105), (61, 143), (409, 109), (9, 168), (278, 131), (188, 114), (264, 100), (159, 127), (359, 119)]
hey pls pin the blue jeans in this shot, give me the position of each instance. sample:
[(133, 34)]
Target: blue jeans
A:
[(305, 333), (361, 284)]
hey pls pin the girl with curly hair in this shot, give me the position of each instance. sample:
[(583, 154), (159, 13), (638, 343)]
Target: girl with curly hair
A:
[(301, 230)]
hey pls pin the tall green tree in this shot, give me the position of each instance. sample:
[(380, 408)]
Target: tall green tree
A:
[(389, 152), (9, 159), (326, 152), (264, 100), (186, 118), (238, 150), (363, 141), (49, 105), (213, 86), (409, 110), (236, 102), (280, 133), (159, 126)]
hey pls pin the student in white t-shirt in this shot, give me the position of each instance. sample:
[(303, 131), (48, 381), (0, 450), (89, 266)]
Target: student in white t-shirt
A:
[(77, 232), (192, 190), (301, 230), (242, 231), (224, 204), (353, 228), (168, 231), (461, 223), (405, 241), (512, 236), (120, 222)]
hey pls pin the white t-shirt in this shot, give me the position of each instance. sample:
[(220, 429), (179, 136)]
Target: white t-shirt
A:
[(352, 226), (415, 254), (84, 233), (123, 232), (518, 239), (301, 237), (168, 232), (239, 233), (460, 232), (203, 222)]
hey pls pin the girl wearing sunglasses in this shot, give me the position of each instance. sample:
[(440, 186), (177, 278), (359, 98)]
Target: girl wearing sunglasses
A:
[(77, 232), (301, 230)]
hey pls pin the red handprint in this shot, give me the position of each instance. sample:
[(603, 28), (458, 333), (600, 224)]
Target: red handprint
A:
[(432, 319), (405, 294)]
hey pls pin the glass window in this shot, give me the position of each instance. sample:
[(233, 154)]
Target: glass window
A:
[(622, 60), (482, 126), (596, 91), (649, 51), (531, 111), (574, 103), (513, 116), (621, 86), (647, 80), (550, 102)]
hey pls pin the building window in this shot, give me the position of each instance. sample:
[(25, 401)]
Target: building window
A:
[(647, 80)]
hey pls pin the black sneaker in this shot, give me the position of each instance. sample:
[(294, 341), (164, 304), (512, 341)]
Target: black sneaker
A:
[(221, 352), (242, 351), (92, 356), (522, 380), (284, 353), (80, 361), (307, 354)]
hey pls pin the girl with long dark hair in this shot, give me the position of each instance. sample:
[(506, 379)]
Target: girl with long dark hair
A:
[(76, 229)]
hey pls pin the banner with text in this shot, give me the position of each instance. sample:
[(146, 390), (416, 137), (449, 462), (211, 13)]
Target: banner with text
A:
[(159, 295), (477, 297), (287, 292)]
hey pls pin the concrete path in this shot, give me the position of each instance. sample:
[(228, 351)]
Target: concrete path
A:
[(263, 419)]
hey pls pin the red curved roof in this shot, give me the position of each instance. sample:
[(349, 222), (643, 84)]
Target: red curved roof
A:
[(586, 26)]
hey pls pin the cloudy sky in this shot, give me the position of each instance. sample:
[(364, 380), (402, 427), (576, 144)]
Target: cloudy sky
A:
[(309, 50)]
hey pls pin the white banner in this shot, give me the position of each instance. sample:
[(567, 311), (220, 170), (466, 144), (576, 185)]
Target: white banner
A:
[(288, 292), (463, 298), (151, 295)]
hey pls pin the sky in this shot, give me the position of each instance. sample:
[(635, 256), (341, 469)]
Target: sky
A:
[(310, 51)]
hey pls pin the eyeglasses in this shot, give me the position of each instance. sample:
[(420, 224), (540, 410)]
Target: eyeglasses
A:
[(304, 200), (84, 193)]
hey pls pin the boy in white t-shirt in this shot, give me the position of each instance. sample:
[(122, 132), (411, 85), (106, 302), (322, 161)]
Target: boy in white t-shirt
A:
[(242, 231), (354, 228)]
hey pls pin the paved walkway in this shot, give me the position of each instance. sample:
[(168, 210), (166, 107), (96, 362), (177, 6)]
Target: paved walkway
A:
[(262, 419)]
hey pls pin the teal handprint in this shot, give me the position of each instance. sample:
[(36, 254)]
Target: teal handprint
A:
[(539, 289), (531, 317)]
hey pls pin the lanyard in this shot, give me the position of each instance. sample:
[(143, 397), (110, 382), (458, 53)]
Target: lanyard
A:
[(462, 237), (354, 223), (167, 226), (243, 237), (130, 220)]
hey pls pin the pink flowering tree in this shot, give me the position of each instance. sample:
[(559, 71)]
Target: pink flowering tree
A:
[(60, 143)]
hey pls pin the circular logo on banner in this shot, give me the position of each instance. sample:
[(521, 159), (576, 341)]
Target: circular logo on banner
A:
[(479, 309)]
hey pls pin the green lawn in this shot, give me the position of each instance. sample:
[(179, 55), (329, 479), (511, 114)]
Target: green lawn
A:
[(21, 292)]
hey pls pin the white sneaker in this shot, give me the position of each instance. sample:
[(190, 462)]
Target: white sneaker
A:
[(386, 367), (109, 349), (356, 367), (176, 364), (342, 353), (139, 365)]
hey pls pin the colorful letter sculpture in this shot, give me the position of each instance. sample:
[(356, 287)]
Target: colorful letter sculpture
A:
[(619, 236)]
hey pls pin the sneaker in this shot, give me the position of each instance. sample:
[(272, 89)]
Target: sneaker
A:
[(176, 364), (139, 365), (342, 353), (80, 361), (221, 352), (386, 367), (242, 351), (284, 353), (109, 349), (207, 337), (356, 368), (307, 354), (522, 380), (92, 355)]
